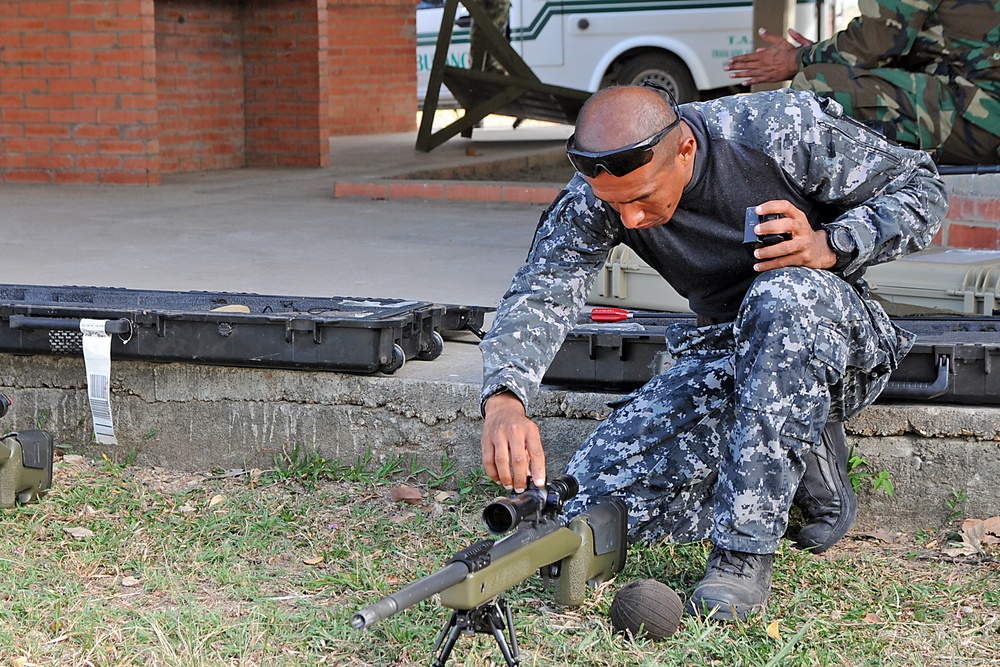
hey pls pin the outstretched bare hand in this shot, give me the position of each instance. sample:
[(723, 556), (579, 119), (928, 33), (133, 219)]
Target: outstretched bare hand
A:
[(769, 64)]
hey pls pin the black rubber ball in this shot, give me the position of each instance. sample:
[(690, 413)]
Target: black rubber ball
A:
[(646, 608)]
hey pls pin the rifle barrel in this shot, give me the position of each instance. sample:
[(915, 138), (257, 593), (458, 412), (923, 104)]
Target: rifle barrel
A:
[(405, 598)]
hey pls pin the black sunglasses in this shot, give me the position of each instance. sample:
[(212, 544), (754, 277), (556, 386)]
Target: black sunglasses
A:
[(621, 161)]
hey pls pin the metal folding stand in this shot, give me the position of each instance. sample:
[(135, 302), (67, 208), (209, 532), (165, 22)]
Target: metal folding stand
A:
[(493, 618), (518, 93)]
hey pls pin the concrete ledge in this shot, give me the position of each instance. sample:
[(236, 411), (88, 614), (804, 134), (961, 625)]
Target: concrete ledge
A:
[(481, 181), (447, 190), (187, 416)]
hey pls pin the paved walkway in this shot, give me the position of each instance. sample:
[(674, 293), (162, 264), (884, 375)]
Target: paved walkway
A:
[(281, 231)]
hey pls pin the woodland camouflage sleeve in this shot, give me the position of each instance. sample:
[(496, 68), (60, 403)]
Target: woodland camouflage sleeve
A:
[(884, 31), (548, 292)]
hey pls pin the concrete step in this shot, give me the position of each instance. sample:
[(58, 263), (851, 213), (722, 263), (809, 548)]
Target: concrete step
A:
[(194, 417)]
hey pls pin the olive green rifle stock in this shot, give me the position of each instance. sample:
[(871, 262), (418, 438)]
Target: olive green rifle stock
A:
[(25, 463)]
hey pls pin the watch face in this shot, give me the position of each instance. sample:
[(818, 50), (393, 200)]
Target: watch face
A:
[(842, 241)]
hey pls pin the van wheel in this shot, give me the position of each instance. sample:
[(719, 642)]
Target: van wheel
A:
[(665, 69)]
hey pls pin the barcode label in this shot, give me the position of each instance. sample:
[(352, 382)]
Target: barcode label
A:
[(97, 356)]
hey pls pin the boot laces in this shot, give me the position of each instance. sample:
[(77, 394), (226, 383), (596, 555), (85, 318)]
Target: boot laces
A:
[(735, 563)]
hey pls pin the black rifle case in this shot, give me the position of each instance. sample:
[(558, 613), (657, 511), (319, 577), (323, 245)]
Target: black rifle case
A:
[(951, 362), (360, 335)]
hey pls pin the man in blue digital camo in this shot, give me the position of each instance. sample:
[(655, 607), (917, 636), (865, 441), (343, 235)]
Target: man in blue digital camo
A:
[(786, 338), (927, 71)]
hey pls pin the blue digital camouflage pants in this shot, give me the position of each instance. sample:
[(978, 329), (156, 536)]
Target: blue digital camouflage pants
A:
[(712, 447)]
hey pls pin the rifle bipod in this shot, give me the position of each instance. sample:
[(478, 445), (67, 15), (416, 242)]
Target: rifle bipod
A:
[(490, 618)]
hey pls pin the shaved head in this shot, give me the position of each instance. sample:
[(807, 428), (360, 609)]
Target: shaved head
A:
[(622, 115)]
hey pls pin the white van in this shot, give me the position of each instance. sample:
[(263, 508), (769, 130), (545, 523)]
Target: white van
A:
[(589, 44)]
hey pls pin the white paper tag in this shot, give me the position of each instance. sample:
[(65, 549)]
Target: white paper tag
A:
[(97, 358)]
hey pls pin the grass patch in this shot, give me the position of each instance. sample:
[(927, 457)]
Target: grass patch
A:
[(128, 566)]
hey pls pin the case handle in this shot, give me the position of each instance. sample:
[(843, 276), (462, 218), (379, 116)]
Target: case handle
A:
[(922, 390), (119, 326)]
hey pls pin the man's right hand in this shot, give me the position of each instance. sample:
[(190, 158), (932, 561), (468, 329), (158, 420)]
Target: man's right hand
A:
[(769, 64), (512, 445)]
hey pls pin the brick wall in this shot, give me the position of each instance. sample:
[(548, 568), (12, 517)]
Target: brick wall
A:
[(287, 105), (120, 91), (974, 220), (373, 66), (78, 92), (199, 84), (241, 84)]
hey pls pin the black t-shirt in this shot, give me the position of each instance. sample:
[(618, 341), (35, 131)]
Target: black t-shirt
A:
[(700, 250)]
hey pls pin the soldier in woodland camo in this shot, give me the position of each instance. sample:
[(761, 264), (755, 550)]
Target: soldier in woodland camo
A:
[(927, 71), (479, 55), (785, 339)]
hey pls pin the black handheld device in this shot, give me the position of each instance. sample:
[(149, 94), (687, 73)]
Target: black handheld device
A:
[(750, 240)]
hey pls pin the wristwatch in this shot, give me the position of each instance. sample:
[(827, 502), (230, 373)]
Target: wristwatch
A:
[(842, 243)]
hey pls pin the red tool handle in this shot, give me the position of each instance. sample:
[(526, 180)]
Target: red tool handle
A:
[(609, 315)]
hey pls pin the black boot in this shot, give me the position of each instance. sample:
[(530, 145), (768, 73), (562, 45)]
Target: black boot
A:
[(736, 584), (825, 494)]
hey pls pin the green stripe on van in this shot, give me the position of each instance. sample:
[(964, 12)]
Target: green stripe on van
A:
[(553, 9)]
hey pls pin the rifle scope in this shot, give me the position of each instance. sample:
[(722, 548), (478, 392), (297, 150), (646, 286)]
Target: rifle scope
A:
[(504, 515)]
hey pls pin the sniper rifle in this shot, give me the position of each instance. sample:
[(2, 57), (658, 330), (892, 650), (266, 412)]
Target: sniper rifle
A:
[(569, 555)]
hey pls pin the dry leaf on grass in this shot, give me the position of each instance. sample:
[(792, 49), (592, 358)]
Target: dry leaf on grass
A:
[(217, 499), (407, 494), (879, 536), (773, 632), (960, 550), (79, 533), (991, 530), (445, 496), (973, 531), (872, 617), (315, 560), (129, 582)]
